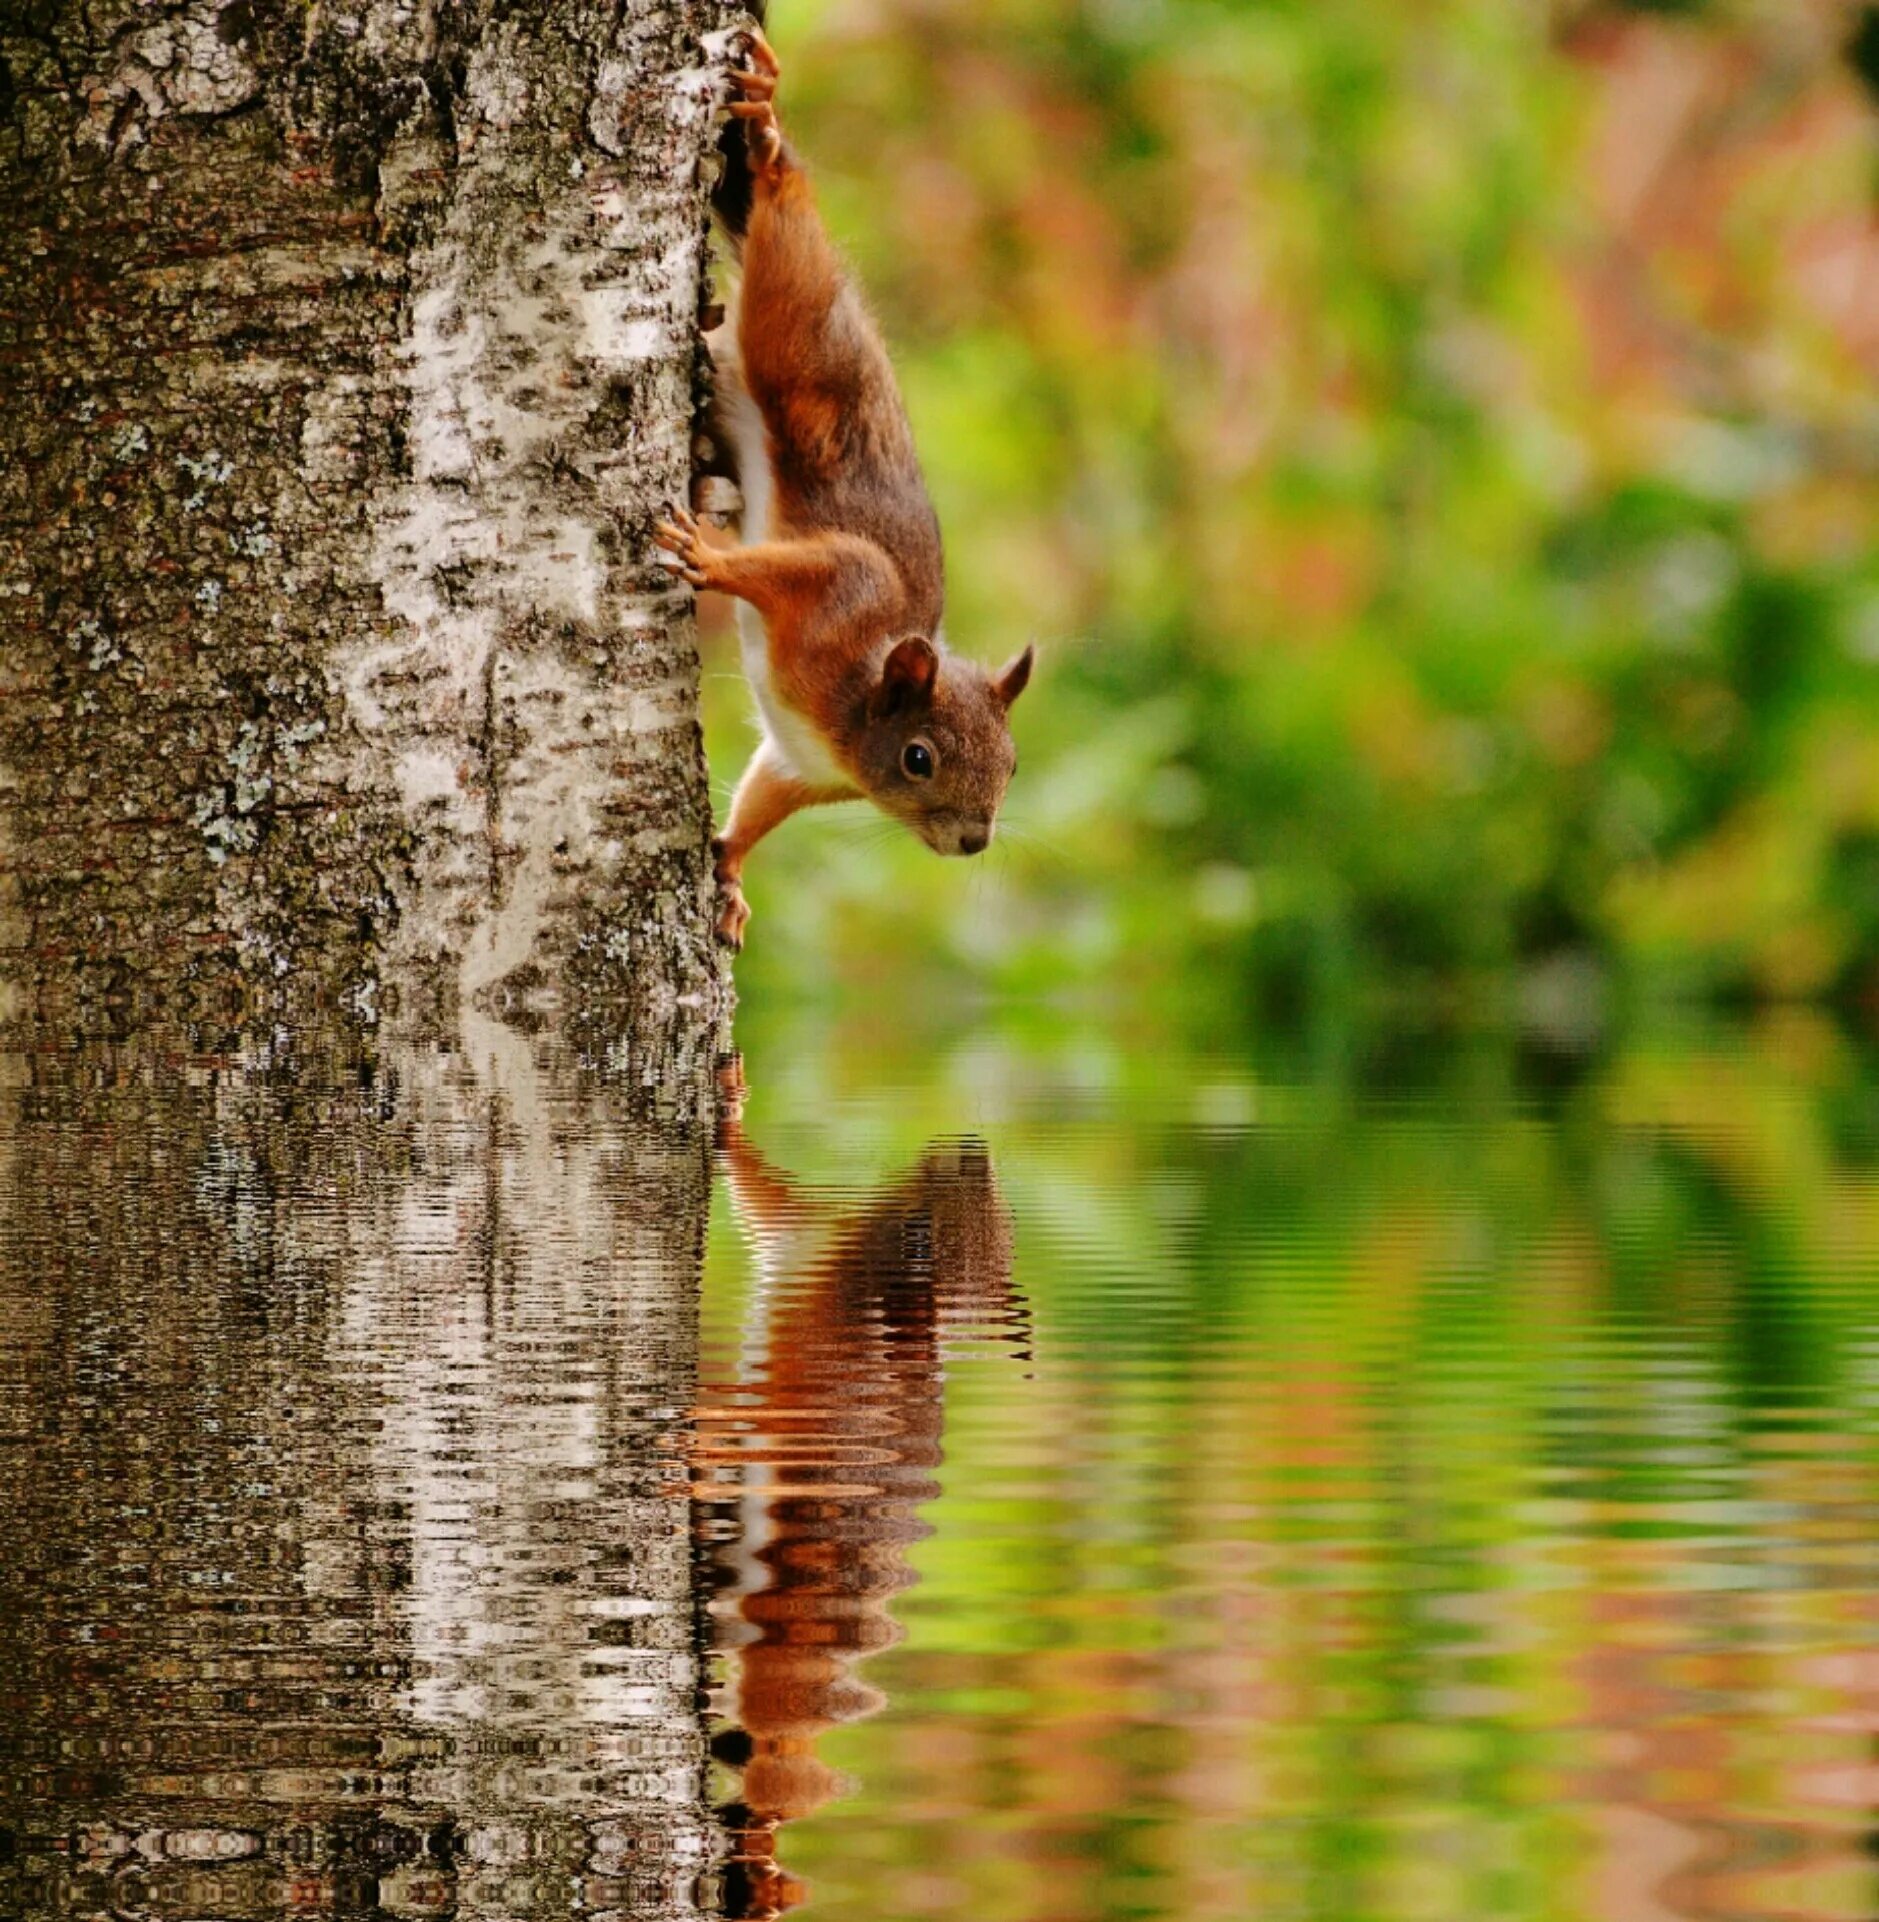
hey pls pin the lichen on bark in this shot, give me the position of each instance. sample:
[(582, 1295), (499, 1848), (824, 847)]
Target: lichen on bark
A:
[(347, 352)]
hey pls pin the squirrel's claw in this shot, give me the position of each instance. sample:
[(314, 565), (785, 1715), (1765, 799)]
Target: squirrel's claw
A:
[(733, 916), (686, 553), (757, 83), (761, 54), (761, 131)]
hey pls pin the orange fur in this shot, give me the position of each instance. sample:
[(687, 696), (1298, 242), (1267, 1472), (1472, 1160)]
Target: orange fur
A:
[(847, 1417), (850, 565)]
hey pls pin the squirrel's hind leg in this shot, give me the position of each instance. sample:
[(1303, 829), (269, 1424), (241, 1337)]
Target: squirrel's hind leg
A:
[(756, 108)]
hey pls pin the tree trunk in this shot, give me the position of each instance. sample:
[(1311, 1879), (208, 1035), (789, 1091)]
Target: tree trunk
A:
[(349, 351)]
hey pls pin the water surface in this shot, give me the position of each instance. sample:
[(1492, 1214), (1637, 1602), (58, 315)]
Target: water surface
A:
[(1033, 1476)]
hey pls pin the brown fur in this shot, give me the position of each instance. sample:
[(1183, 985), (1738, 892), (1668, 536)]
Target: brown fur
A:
[(848, 1415), (852, 567)]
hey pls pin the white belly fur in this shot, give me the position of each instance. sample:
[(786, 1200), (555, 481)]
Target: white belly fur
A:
[(792, 736)]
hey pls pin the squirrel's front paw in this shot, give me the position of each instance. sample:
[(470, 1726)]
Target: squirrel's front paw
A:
[(733, 914), (684, 542)]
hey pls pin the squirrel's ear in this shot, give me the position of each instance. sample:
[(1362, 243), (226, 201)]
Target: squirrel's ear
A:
[(1013, 676), (906, 675)]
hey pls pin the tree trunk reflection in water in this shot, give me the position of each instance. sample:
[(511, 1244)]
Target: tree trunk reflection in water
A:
[(342, 1469)]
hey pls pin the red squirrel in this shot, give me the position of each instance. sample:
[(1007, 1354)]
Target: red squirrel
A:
[(839, 578)]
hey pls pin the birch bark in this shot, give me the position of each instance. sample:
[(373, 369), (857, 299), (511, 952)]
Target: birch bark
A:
[(347, 353)]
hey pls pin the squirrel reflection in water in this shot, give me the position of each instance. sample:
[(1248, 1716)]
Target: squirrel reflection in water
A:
[(813, 1470)]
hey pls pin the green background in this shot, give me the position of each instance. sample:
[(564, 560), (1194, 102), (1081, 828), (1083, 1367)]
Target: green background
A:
[(1435, 450)]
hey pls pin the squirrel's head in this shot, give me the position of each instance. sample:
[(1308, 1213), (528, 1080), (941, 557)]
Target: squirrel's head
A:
[(934, 1247), (935, 748)]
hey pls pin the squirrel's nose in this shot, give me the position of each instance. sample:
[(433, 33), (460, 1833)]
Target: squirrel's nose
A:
[(973, 842)]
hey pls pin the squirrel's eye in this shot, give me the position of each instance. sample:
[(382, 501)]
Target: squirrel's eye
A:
[(917, 758)]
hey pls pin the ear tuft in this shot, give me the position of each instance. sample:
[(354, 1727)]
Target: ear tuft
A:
[(906, 676), (1013, 676)]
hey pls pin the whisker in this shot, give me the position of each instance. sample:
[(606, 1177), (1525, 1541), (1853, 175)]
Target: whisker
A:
[(868, 834), (1033, 842)]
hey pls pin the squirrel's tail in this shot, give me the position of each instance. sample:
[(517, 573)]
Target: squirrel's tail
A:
[(730, 200)]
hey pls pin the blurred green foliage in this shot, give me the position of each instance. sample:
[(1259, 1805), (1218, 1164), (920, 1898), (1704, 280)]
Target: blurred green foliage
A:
[(1435, 450)]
